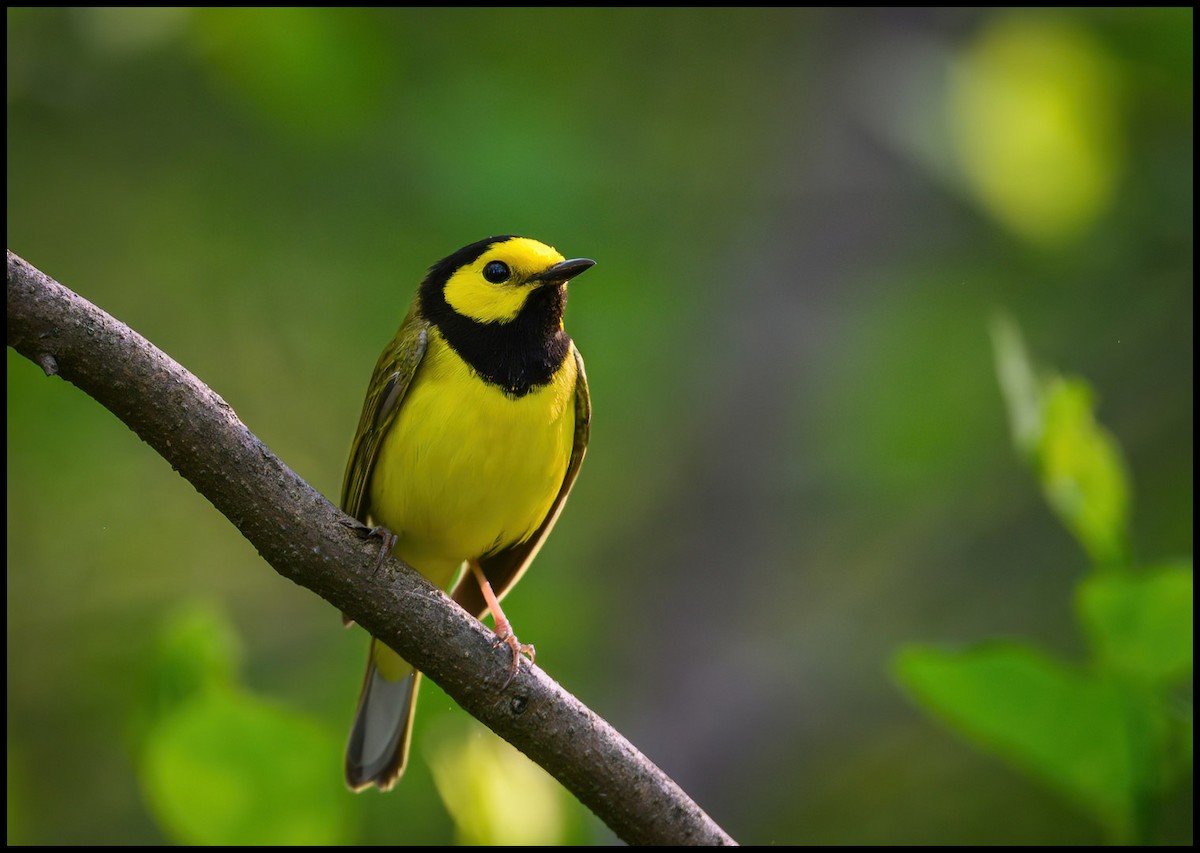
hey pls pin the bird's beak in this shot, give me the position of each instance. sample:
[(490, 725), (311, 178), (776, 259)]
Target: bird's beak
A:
[(564, 271)]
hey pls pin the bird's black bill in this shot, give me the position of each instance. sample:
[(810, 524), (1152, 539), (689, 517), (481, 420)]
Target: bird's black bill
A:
[(565, 270)]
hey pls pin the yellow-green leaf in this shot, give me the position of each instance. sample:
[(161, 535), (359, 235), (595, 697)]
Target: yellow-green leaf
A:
[(1083, 474), (496, 795), (1034, 113)]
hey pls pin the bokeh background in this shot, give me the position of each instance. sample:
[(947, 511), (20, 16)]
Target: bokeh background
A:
[(804, 222)]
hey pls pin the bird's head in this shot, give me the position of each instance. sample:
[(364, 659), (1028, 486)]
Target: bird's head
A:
[(492, 280)]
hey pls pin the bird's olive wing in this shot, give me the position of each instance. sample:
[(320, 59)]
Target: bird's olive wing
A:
[(389, 383)]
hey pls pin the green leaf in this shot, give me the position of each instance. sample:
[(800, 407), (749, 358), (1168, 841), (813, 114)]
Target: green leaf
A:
[(226, 768), (1097, 742), (1141, 625), (1083, 474)]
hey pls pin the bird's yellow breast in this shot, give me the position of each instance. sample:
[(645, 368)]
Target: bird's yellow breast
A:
[(465, 470)]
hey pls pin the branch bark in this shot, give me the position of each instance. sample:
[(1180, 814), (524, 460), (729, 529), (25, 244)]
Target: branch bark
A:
[(309, 541)]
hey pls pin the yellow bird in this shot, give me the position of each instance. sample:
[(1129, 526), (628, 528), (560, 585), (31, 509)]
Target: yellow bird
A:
[(473, 430)]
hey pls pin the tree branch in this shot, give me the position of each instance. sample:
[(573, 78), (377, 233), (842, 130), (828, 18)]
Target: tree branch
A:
[(309, 541)]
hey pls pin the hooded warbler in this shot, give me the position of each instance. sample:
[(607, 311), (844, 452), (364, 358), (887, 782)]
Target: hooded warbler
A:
[(473, 429)]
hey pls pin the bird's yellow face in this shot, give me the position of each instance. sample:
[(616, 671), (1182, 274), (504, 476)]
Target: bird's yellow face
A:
[(493, 288)]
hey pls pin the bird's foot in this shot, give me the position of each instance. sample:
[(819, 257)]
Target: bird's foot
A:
[(382, 533), (508, 638)]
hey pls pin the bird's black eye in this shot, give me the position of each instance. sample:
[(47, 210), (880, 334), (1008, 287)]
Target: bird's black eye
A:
[(496, 272)]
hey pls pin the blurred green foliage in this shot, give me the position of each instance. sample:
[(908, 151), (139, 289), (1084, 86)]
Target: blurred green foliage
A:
[(1110, 737), (1035, 110), (496, 795), (219, 765), (1078, 463), (803, 219)]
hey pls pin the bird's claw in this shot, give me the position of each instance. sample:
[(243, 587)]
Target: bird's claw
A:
[(518, 649), (388, 537)]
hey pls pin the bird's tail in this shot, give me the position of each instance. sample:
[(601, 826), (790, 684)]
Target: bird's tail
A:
[(378, 747)]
